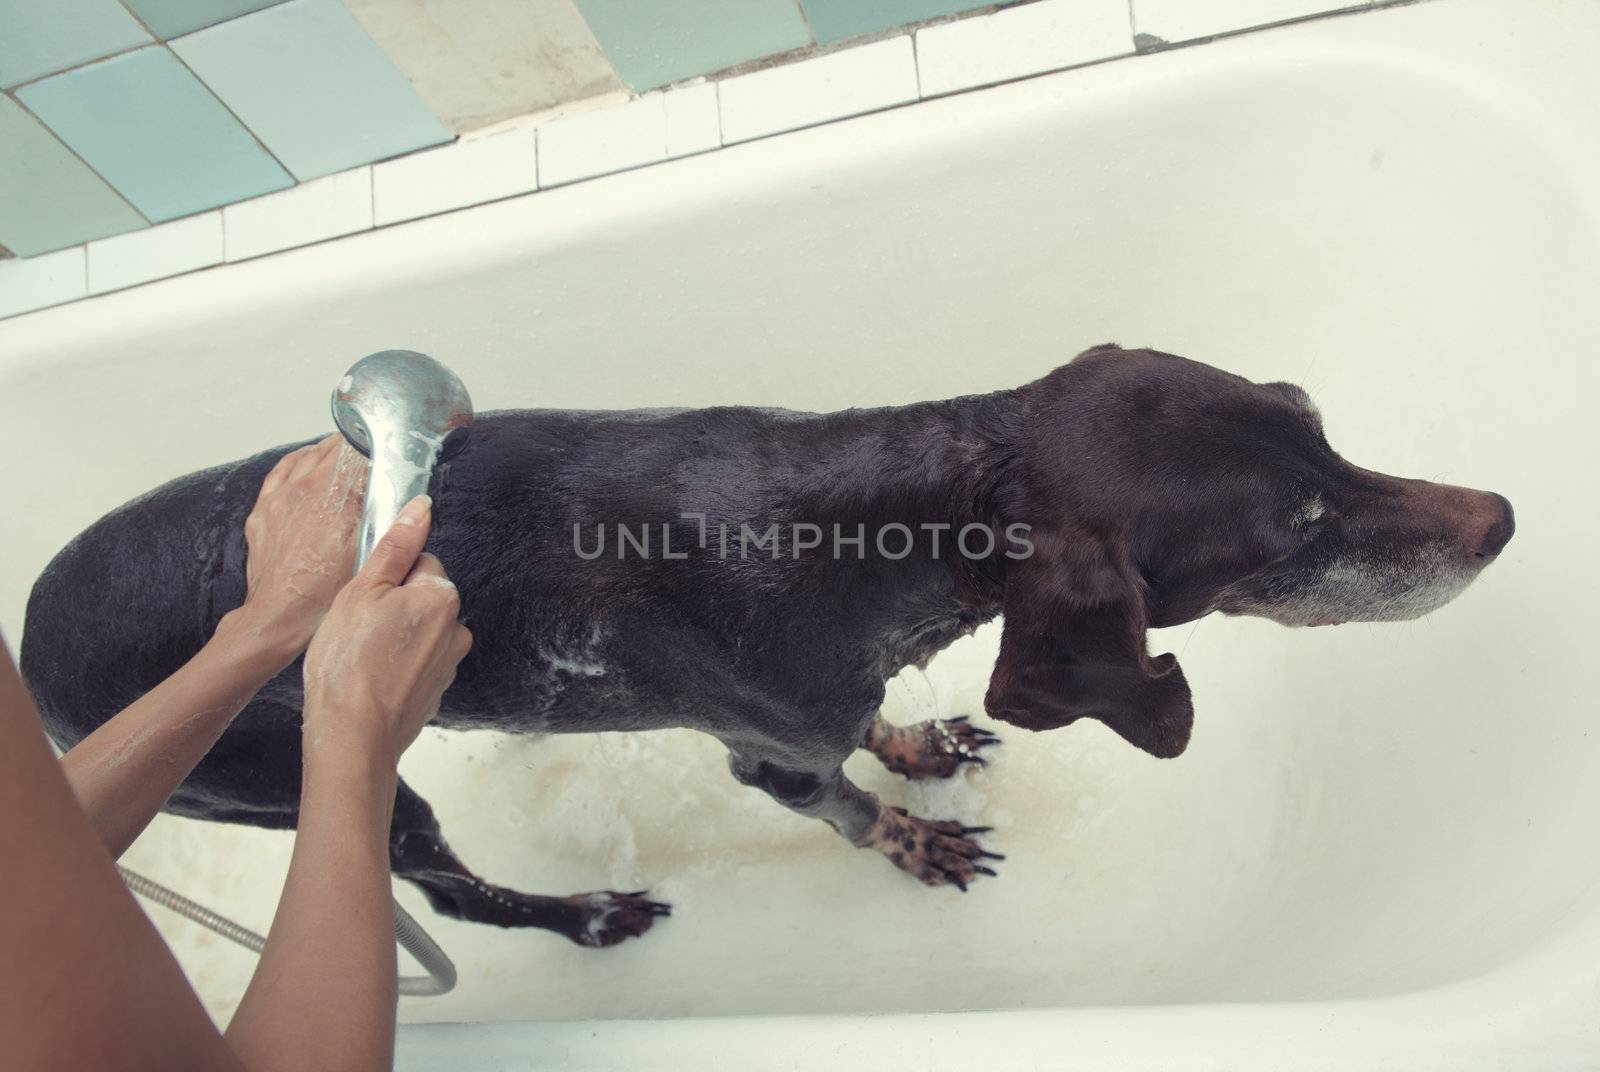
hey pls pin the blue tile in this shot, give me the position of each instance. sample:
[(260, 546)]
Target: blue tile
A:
[(835, 20), (39, 37), (173, 18), (317, 91), (654, 42), (49, 198), (153, 131)]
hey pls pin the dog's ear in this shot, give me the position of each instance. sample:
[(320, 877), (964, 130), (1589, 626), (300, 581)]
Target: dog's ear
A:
[(1073, 646)]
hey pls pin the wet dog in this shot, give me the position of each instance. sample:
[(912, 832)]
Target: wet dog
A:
[(759, 575)]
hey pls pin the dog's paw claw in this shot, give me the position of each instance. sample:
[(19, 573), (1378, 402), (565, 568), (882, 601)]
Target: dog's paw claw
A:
[(933, 749), (935, 853), (606, 918)]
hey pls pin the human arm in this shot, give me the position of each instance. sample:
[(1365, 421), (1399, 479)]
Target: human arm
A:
[(301, 542), (324, 993)]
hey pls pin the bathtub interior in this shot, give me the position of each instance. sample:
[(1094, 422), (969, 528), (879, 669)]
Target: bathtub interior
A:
[(1364, 810)]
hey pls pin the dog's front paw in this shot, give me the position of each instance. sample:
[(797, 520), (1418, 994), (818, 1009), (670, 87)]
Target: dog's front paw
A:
[(933, 749), (607, 917), (936, 853)]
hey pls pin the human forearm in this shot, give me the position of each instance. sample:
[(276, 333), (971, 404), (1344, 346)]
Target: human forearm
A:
[(125, 770), (85, 981), (324, 994)]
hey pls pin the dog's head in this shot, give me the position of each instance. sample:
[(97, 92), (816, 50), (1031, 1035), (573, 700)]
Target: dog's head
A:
[(1159, 490)]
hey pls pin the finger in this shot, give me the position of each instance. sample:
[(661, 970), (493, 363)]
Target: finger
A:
[(460, 644), (325, 455), (311, 458), (428, 566), (280, 472), (391, 560)]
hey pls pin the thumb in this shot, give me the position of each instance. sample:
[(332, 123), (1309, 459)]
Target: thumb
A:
[(397, 550)]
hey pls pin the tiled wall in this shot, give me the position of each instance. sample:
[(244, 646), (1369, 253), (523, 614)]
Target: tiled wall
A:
[(117, 117), (120, 114), (145, 138)]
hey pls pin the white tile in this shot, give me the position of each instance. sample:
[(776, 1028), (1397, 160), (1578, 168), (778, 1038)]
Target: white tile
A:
[(155, 253), (849, 82), (334, 205), (608, 139), (692, 121), (1020, 41), (1184, 20), (469, 172), (48, 279)]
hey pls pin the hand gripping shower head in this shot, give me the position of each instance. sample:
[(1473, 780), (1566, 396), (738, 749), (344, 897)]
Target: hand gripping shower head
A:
[(407, 413)]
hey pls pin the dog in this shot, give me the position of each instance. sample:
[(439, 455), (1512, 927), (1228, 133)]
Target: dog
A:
[(759, 575)]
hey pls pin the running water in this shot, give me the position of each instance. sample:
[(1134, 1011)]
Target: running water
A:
[(349, 479)]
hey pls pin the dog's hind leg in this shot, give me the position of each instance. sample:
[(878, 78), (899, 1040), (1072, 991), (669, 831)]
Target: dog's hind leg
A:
[(418, 853), (932, 749)]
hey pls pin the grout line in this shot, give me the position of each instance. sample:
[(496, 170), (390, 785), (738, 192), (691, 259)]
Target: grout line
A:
[(805, 20), (140, 20), (538, 161), (148, 222), (166, 43), (1358, 8), (85, 63), (1133, 24), (666, 129), (294, 180), (163, 40), (814, 51), (916, 59)]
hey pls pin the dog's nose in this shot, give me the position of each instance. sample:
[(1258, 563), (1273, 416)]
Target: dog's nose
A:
[(1501, 523)]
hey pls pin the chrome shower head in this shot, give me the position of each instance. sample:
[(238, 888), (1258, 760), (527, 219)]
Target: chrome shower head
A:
[(407, 413)]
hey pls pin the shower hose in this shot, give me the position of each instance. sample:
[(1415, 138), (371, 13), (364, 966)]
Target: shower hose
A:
[(441, 977)]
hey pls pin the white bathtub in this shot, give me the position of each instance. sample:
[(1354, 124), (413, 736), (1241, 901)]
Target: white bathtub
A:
[(1381, 849)]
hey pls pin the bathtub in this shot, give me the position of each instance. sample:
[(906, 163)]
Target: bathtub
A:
[(1380, 850)]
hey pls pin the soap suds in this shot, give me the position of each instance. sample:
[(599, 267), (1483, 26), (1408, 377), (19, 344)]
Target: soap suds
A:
[(579, 667)]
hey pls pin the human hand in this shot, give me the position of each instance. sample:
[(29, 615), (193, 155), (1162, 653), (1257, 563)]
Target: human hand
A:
[(387, 649), (301, 538)]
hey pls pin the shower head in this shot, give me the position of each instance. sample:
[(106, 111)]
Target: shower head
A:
[(407, 413)]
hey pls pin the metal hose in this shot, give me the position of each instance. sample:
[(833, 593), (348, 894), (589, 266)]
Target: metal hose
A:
[(154, 891), (441, 977)]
